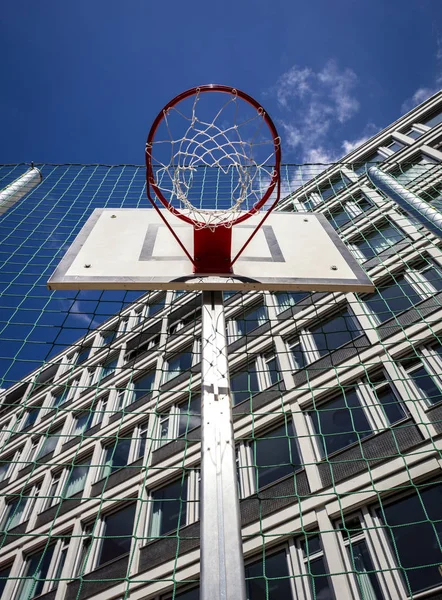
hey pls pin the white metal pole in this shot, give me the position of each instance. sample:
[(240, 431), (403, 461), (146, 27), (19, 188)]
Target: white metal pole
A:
[(13, 192), (412, 204), (222, 565)]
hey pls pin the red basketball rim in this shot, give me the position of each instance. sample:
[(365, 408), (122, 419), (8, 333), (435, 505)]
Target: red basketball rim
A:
[(150, 179)]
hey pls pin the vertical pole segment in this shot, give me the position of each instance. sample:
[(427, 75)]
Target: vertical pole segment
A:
[(222, 568), (429, 216)]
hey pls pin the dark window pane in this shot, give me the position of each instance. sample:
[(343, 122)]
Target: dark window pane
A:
[(179, 363), (383, 237), (414, 527), (156, 306), (116, 456), (36, 570), (319, 580), (287, 299), (269, 579), (426, 385), (243, 385), (363, 566), (83, 356), (169, 508), (251, 319), (334, 187), (30, 418), (392, 407), (50, 443), (392, 299), (339, 423), (190, 415), (117, 534), (434, 120), (4, 574), (276, 455), (311, 545), (338, 218), (434, 277), (189, 595), (143, 385), (335, 332)]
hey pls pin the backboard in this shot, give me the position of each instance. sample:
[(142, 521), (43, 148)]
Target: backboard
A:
[(133, 249)]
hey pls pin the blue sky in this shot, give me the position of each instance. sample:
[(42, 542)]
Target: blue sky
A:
[(83, 80)]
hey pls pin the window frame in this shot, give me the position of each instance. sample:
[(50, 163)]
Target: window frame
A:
[(50, 581), (194, 349), (414, 278), (304, 338), (192, 503)]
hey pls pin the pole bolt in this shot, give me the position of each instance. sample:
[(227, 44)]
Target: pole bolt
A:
[(87, 266), (334, 268)]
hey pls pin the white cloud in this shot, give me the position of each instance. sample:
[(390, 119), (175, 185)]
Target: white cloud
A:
[(424, 92), (323, 100)]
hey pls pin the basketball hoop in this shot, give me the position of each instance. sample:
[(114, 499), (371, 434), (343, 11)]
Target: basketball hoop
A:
[(213, 160)]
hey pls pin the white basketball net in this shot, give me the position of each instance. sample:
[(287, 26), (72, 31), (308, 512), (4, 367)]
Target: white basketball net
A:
[(218, 166)]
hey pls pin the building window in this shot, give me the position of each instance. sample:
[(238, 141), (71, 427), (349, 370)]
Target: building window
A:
[(60, 397), (406, 290), (347, 211), (169, 508), (42, 570), (116, 455), (413, 133), (182, 361), (246, 322), (269, 578), (412, 172), (82, 422), (19, 508), (285, 300), (140, 345), (334, 332), (49, 442), (69, 482), (412, 530), (395, 146), (254, 377), (359, 560), (433, 196), (376, 241), (117, 534), (275, 455), (193, 317), (331, 334), (134, 391), (108, 368), (385, 394), (434, 120), (339, 422), (5, 466), (107, 337), (361, 167), (336, 185), (4, 576), (315, 566), (425, 373), (29, 418), (180, 419), (149, 310), (83, 355)]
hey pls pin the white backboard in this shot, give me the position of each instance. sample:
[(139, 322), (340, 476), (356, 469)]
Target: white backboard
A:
[(133, 249)]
